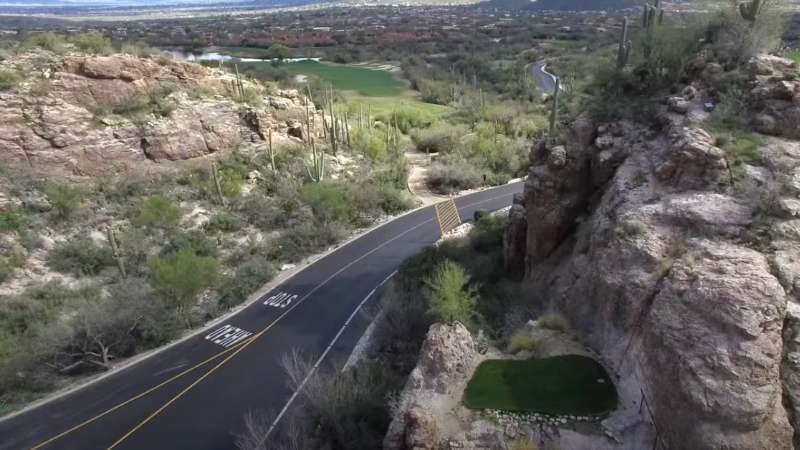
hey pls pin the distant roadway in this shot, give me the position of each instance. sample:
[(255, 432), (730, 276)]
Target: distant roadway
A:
[(193, 395), (545, 80)]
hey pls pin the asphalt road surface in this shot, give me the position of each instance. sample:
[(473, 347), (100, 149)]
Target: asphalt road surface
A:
[(545, 80), (194, 394)]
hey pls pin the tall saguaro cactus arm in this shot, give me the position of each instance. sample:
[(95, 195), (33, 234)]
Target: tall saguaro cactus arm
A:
[(624, 50), (749, 10), (554, 111)]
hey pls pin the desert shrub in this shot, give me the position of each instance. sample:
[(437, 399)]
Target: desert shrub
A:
[(94, 43), (139, 48), (65, 200), (13, 220), (40, 88), (8, 80), (248, 278), (439, 138), (553, 321), (80, 257), (157, 211), (252, 97), (179, 278), (41, 305), (452, 175), (488, 233), (9, 263), (301, 240), (46, 41), (369, 142), (329, 201), (223, 222), (134, 246), (393, 201), (231, 182), (741, 147), (193, 241), (524, 444), (155, 101), (340, 409), (451, 297), (201, 91), (521, 341)]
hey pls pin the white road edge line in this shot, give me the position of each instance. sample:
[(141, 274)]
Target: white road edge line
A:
[(324, 354), (349, 319)]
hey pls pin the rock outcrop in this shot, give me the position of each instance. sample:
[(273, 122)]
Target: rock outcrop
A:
[(102, 115), (649, 242), (775, 96), (447, 358)]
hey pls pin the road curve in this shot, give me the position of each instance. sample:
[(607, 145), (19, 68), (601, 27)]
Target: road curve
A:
[(193, 395), (544, 79)]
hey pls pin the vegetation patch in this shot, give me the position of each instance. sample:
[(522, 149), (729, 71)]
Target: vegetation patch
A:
[(367, 82), (560, 385)]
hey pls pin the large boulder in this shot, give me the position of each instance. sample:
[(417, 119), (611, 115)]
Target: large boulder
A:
[(656, 266)]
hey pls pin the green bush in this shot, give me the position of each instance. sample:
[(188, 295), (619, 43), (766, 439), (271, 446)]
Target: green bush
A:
[(253, 97), (201, 91), (80, 257), (451, 297), (157, 211), (139, 48), (369, 143), (248, 278), (488, 233), (329, 200), (194, 241), (553, 321), (453, 175), (440, 138), (523, 341), (94, 43), (8, 80), (181, 277), (223, 222), (9, 263), (231, 182), (47, 41), (13, 220), (65, 200)]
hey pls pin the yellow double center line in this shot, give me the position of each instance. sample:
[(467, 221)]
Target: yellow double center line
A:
[(231, 352)]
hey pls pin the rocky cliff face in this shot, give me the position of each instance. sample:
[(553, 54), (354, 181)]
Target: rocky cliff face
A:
[(71, 113), (677, 267)]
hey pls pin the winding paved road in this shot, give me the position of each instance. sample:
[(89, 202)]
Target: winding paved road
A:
[(544, 79), (194, 394)]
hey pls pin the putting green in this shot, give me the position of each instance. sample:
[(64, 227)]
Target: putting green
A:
[(561, 385)]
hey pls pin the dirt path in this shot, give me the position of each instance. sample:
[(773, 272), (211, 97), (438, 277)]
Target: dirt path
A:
[(419, 164)]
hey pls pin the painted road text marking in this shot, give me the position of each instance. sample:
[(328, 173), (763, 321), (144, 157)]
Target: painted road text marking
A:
[(280, 300), (228, 335)]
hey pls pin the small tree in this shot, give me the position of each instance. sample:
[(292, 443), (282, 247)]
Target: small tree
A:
[(157, 211), (64, 199), (180, 278), (279, 52), (451, 297)]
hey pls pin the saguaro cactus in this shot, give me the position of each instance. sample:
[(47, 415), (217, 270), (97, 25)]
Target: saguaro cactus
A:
[(112, 240), (749, 10), (554, 111), (217, 184), (624, 50)]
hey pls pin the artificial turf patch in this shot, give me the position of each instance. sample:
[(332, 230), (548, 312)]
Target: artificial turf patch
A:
[(560, 385)]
